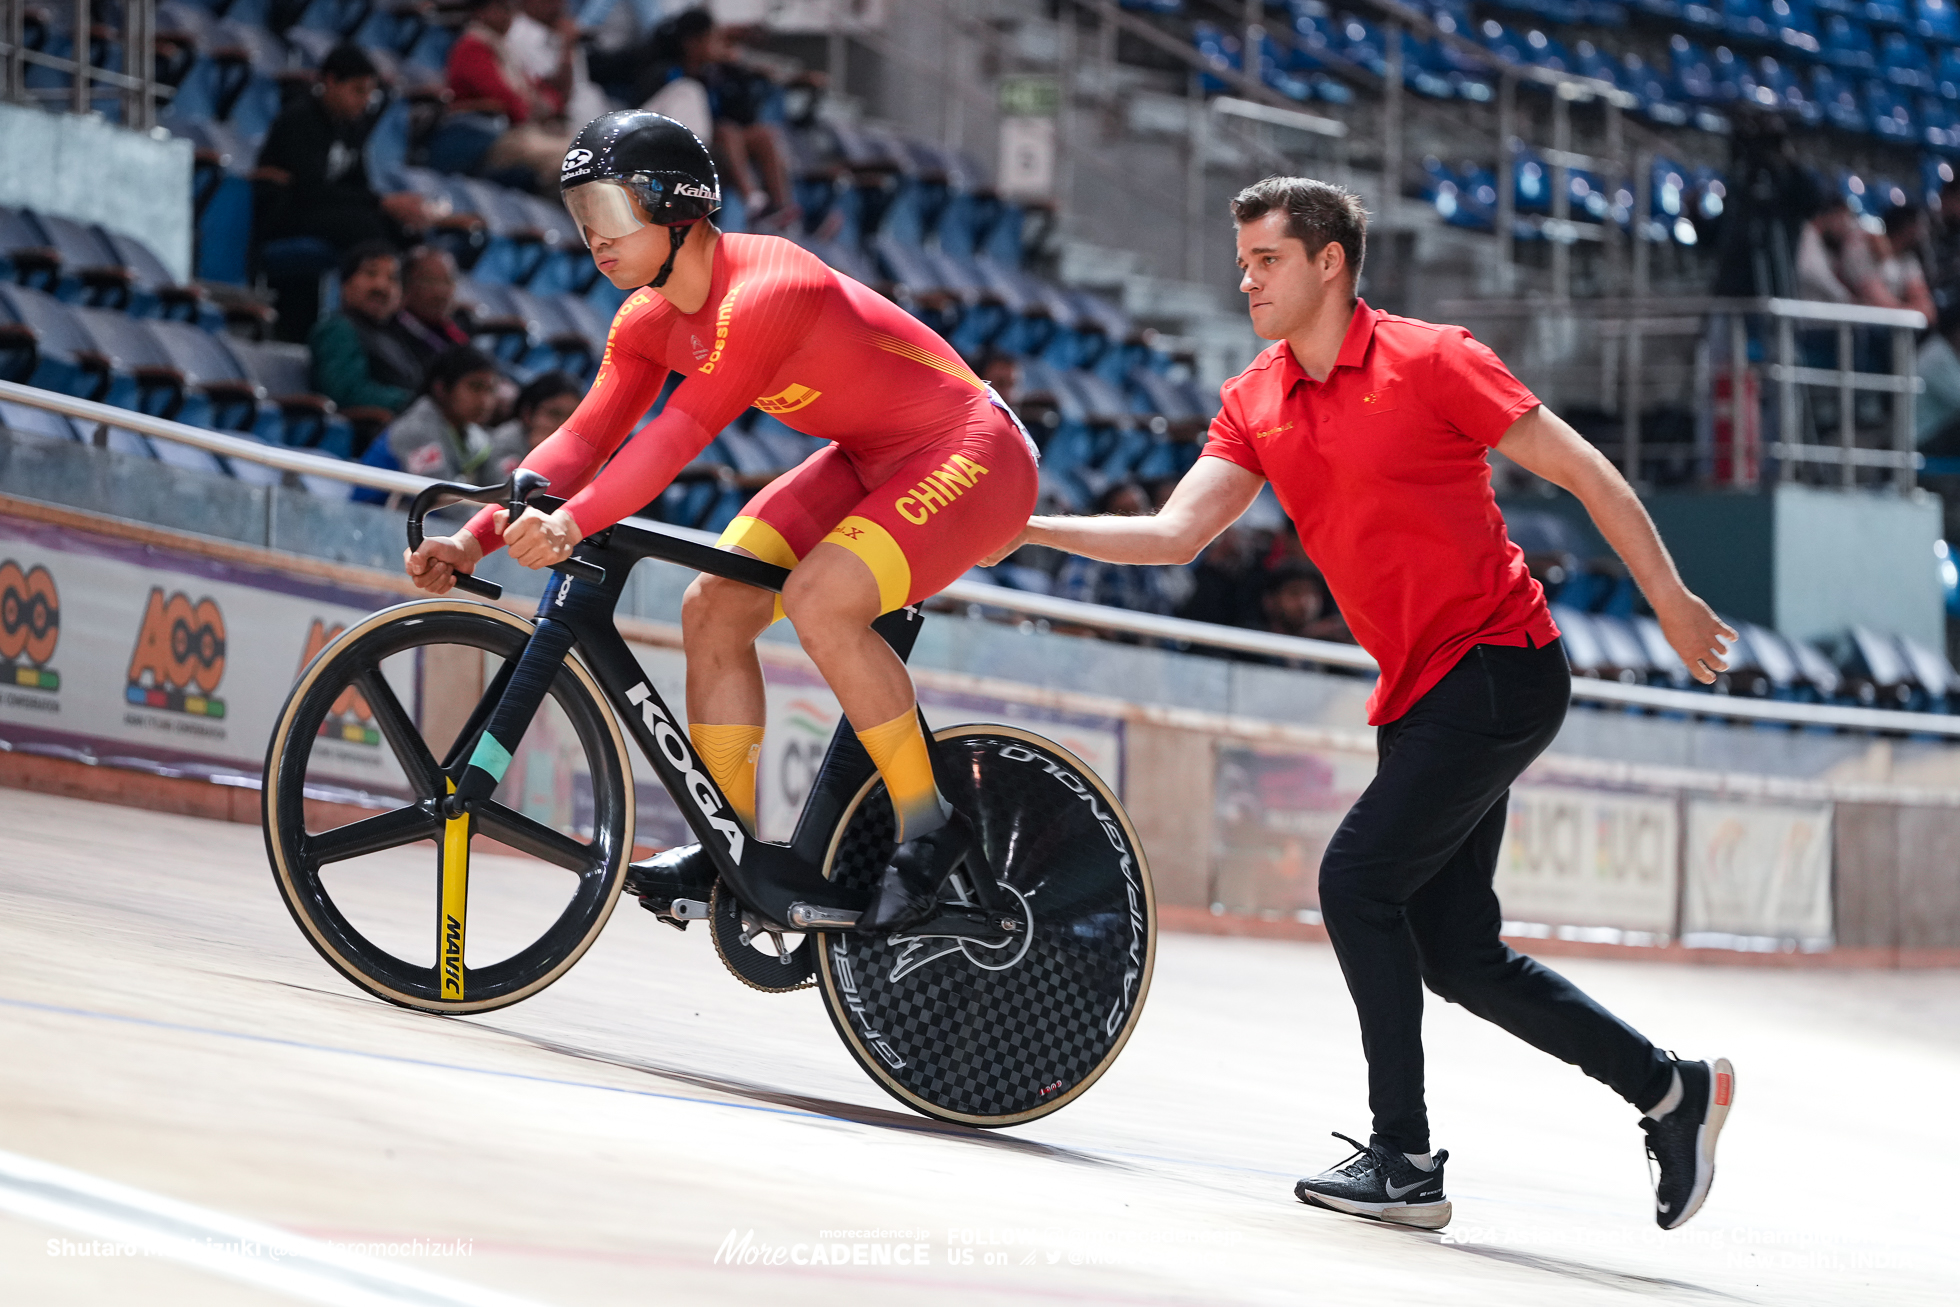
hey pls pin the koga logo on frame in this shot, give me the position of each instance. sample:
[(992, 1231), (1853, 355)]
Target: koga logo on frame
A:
[(30, 626), (179, 657)]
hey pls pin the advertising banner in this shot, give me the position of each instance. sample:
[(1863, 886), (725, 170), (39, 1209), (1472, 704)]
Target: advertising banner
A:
[(128, 652), (803, 713), (1586, 857), (1274, 809), (1757, 871)]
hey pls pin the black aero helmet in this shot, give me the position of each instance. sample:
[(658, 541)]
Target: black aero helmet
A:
[(658, 163)]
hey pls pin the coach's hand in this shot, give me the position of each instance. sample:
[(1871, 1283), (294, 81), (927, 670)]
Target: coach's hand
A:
[(1696, 634), (1006, 549), (434, 565), (535, 540)]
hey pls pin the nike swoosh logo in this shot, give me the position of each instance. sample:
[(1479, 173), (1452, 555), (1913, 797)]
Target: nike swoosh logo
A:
[(1665, 1207), (1393, 1192)]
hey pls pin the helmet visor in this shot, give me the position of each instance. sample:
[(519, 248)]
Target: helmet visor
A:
[(603, 210)]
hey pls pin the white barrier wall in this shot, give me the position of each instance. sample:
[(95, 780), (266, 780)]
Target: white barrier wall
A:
[(83, 168), (132, 647)]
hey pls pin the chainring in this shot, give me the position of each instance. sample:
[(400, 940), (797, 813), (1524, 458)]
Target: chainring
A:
[(758, 968)]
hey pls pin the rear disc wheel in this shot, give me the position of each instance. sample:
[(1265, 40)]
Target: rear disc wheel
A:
[(1000, 1035)]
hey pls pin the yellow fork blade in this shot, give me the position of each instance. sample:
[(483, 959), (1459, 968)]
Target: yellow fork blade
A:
[(453, 876)]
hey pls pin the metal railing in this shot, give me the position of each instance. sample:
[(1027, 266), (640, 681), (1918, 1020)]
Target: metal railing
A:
[(1175, 630), (1729, 328), (138, 82)]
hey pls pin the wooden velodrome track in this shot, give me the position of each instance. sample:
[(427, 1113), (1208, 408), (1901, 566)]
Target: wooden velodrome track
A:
[(178, 1063)]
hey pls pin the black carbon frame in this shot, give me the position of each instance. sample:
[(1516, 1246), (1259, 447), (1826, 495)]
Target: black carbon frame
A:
[(767, 878)]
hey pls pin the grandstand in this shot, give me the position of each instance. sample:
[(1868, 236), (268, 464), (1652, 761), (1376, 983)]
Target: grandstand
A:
[(1593, 134)]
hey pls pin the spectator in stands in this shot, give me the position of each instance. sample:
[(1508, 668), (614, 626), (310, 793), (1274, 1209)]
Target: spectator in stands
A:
[(441, 434), (358, 362), (1769, 194), (1296, 601), (1944, 273), (1227, 583), (542, 407), (1885, 270), (312, 181), (485, 78), (1936, 416), (426, 324), (1820, 252), (694, 75), (1140, 589), (544, 42)]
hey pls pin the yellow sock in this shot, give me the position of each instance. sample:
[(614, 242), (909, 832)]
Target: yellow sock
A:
[(730, 753), (898, 747)]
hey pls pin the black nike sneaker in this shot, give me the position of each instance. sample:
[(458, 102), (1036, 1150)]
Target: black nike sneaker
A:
[(682, 872), (909, 890), (1382, 1184), (1681, 1145)]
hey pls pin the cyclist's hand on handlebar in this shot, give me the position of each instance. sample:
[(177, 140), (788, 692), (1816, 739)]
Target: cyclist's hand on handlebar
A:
[(434, 566), (1006, 549), (538, 540)]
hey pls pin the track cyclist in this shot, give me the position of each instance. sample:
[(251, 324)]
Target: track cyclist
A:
[(927, 473)]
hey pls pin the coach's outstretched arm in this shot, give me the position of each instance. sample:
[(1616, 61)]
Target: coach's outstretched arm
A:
[(1210, 498), (1544, 443)]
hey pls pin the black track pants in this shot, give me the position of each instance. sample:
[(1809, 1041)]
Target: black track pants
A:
[(1405, 891)]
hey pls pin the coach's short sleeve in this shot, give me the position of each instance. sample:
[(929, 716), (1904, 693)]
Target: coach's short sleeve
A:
[(1228, 439), (1472, 391)]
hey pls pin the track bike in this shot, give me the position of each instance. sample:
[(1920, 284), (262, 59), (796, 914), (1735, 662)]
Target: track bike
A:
[(501, 742)]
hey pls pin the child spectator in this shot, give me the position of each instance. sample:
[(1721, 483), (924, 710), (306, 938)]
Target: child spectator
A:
[(441, 434)]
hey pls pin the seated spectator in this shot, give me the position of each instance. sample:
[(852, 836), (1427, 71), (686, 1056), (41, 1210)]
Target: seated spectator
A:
[(694, 76), (1885, 271), (311, 180), (427, 325), (1821, 247), (542, 408), (358, 362), (441, 434), (485, 78), (1296, 602), (544, 42), (1936, 417), (1143, 589), (1227, 583)]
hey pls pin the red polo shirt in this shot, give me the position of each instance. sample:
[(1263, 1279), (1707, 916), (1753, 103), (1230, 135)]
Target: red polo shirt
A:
[(1382, 467)]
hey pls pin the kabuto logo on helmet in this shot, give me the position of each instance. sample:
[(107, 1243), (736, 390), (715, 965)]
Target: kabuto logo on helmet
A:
[(576, 161), (695, 192)]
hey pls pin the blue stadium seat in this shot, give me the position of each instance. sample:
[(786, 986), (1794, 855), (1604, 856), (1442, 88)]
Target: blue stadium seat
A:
[(1937, 20), (1794, 26), (1939, 128), (1839, 101), (27, 420), (1847, 45), (1746, 20), (282, 375), (42, 343), (1903, 62), (1786, 91), (1891, 119), (1887, 13), (1694, 73), (1946, 73)]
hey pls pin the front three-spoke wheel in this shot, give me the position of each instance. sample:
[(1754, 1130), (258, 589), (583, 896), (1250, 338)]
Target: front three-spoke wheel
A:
[(446, 914)]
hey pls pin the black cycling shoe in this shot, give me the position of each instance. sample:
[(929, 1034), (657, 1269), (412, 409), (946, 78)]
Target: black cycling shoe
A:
[(908, 892), (682, 872), (1681, 1144), (1382, 1184)]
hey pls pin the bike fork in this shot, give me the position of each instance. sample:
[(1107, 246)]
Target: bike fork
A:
[(529, 682)]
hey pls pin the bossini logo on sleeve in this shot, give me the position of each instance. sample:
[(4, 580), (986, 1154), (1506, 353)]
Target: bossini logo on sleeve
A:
[(349, 719), (30, 627), (179, 656)]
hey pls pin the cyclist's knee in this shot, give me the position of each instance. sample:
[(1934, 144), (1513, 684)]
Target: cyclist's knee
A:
[(817, 609), (717, 605)]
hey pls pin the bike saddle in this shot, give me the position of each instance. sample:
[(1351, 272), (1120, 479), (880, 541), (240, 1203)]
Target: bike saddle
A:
[(673, 884), (908, 892)]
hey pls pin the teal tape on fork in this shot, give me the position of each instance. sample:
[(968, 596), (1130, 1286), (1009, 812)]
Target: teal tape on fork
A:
[(491, 756)]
